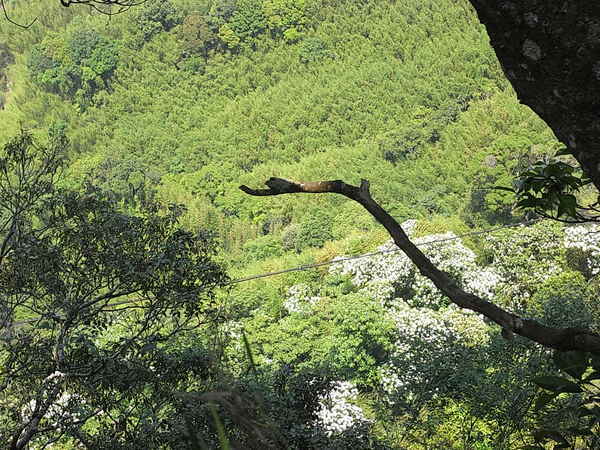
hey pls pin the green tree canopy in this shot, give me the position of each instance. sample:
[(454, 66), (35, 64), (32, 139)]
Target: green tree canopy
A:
[(93, 304)]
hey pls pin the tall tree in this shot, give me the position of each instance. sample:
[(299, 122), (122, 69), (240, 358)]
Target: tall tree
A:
[(95, 306)]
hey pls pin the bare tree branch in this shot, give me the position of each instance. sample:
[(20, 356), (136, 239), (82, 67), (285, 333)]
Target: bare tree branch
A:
[(7, 17), (562, 339), (104, 6)]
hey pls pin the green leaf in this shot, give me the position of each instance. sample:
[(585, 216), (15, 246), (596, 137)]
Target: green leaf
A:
[(572, 181), (567, 205), (44, 325), (595, 358), (563, 152), (545, 434), (595, 375), (590, 409), (556, 384), (574, 363), (529, 202), (146, 348), (580, 431), (543, 399)]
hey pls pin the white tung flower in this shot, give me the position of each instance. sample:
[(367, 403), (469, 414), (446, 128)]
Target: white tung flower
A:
[(392, 273), (586, 239), (336, 414), (300, 298)]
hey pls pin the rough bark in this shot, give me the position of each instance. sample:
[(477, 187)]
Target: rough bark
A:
[(550, 52), (562, 339)]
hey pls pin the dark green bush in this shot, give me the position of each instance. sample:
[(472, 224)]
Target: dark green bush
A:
[(263, 247), (155, 17), (75, 65), (563, 301), (248, 20), (313, 50)]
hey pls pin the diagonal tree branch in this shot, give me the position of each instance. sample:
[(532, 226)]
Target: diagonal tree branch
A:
[(562, 339)]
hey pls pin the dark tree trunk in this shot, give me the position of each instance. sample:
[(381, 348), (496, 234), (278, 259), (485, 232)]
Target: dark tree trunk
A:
[(550, 52)]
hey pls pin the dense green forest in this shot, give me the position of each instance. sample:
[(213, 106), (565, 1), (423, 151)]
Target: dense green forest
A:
[(139, 128)]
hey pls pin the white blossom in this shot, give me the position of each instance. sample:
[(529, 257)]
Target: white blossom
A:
[(585, 239), (392, 273), (300, 298), (424, 336), (60, 409), (336, 413), (524, 257)]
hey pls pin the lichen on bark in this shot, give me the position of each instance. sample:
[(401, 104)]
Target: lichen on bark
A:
[(550, 52)]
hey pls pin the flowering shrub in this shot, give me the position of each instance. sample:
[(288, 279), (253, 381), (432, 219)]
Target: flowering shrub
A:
[(431, 352), (312, 410), (582, 246), (64, 409), (563, 300), (336, 414), (383, 291), (524, 257), (377, 321), (392, 274), (482, 282), (300, 298)]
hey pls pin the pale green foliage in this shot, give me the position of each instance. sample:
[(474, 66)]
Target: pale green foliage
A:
[(563, 300), (228, 36), (284, 14), (525, 257)]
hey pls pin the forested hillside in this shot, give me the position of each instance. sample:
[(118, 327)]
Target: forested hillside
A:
[(178, 102)]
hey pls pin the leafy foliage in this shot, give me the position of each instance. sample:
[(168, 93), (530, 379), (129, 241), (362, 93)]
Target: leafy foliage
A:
[(550, 188), (347, 335), (564, 300), (182, 101), (76, 66), (155, 17), (107, 292), (573, 419)]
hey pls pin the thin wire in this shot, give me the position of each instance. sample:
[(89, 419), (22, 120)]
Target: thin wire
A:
[(379, 252), (325, 263)]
